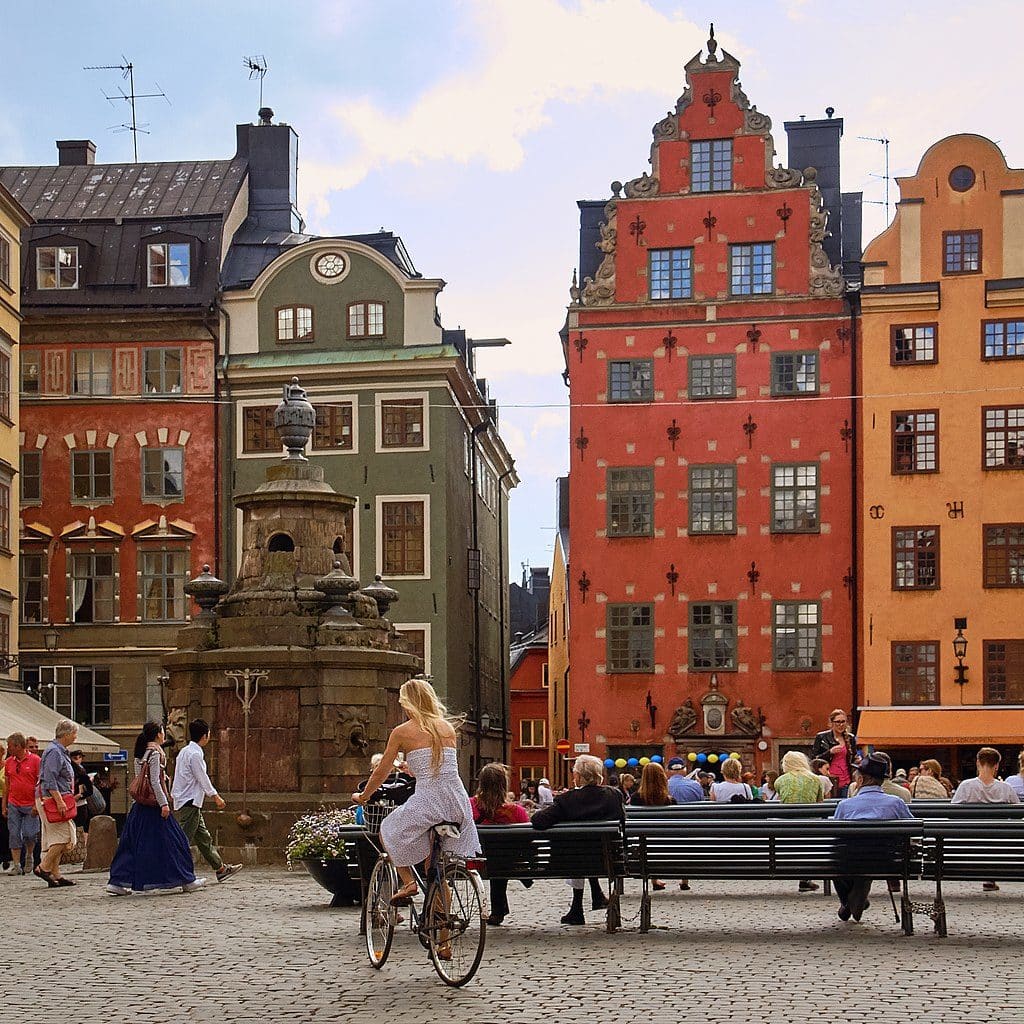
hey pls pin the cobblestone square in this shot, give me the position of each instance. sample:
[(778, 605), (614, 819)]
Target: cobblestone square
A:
[(266, 947)]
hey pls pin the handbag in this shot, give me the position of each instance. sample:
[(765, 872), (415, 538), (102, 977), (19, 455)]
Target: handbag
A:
[(55, 814), (141, 789), (95, 802)]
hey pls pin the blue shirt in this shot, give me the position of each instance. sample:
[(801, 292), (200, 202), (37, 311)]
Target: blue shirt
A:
[(871, 804), (56, 771), (684, 790)]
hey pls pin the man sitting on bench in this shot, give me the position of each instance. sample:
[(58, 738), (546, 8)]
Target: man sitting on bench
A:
[(870, 804), (589, 801)]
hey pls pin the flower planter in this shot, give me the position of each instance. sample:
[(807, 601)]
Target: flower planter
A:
[(333, 875)]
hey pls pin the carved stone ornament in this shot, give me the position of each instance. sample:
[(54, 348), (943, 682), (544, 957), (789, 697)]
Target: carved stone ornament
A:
[(784, 177), (599, 290), (684, 101), (666, 129), (756, 123), (745, 720), (350, 734), (684, 719), (642, 187), (826, 280)]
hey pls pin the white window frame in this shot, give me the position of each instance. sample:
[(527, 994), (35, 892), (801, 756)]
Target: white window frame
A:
[(166, 246), (378, 416), (57, 250), (379, 534), (6, 245), (424, 627)]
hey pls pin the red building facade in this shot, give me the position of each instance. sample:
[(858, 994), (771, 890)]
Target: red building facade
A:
[(528, 708), (709, 361)]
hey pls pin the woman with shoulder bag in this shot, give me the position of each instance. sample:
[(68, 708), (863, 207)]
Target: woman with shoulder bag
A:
[(153, 852)]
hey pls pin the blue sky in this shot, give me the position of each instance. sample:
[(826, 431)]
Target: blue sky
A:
[(471, 127)]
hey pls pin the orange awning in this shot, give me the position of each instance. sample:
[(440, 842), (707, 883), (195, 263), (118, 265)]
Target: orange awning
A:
[(915, 727)]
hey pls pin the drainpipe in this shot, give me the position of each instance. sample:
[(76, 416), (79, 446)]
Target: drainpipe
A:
[(223, 499), (853, 301), (473, 434), (502, 590)]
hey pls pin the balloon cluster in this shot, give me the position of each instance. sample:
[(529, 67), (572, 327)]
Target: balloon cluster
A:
[(712, 758), (632, 762)]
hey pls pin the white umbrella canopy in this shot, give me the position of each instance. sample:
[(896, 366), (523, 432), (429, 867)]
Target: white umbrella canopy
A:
[(21, 713)]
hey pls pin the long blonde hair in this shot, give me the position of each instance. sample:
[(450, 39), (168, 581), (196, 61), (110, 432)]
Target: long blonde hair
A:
[(796, 763), (420, 702)]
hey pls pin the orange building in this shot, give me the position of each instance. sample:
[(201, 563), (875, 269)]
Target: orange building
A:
[(942, 473)]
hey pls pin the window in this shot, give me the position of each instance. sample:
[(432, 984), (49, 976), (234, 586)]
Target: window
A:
[(914, 343), (163, 473), (168, 265), (31, 477), (915, 672), (5, 637), (631, 380), (259, 435), (5, 260), (366, 320), (91, 478), (712, 377), (416, 645), (712, 499), (33, 573), (92, 372), (712, 636), (30, 373), (401, 423), (5, 515), (533, 732), (545, 681), (630, 638), (295, 323), (81, 693), (163, 371), (795, 498), (403, 538), (333, 428), (796, 636), (962, 252), (93, 580), (5, 386), (711, 166), (1003, 437), (630, 501), (915, 441), (56, 267), (794, 373), (751, 269), (1003, 555), (1002, 339), (670, 273), (1004, 671), (163, 576), (915, 558)]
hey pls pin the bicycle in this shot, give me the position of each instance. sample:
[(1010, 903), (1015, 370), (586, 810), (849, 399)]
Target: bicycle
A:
[(450, 925)]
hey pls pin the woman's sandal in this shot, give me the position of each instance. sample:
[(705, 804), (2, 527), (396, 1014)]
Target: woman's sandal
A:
[(444, 949), (404, 896)]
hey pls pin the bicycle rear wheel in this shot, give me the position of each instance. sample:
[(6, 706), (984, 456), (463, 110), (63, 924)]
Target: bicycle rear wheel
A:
[(455, 925), (380, 915)]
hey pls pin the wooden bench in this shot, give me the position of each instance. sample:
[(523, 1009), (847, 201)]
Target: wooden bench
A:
[(781, 849)]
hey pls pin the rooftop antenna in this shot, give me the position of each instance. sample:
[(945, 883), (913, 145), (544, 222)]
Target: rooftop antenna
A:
[(127, 69), (885, 177), (257, 68)]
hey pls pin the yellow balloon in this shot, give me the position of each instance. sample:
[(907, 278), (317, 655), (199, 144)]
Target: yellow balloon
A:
[(734, 756), (645, 760), (712, 758), (691, 757), (620, 762)]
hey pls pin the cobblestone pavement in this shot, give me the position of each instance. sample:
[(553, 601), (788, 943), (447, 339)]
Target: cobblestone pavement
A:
[(266, 947)]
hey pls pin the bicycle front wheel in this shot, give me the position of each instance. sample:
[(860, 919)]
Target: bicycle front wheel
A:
[(380, 914), (455, 925)]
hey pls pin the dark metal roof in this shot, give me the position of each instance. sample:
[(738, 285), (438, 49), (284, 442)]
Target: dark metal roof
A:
[(105, 191)]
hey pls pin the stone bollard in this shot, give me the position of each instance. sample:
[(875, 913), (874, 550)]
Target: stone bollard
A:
[(102, 843)]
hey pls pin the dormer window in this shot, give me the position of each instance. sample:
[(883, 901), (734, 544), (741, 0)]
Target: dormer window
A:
[(168, 265), (366, 320), (295, 323), (711, 166), (57, 267)]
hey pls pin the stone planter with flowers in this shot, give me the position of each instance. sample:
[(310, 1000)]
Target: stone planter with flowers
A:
[(323, 842)]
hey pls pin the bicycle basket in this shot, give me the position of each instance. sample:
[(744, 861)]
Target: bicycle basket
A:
[(374, 814)]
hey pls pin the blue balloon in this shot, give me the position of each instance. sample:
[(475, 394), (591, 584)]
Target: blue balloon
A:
[(609, 762), (702, 758), (633, 762), (723, 757), (656, 758)]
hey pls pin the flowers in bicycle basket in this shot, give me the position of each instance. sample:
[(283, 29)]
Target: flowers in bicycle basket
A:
[(319, 835)]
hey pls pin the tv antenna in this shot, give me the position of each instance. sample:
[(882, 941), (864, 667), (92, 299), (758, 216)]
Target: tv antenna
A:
[(127, 69), (885, 177), (257, 69)]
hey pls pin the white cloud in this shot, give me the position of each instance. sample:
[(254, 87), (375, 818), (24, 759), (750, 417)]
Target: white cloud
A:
[(533, 53)]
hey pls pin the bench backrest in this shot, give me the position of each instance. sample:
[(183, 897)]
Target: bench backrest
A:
[(974, 850), (571, 850)]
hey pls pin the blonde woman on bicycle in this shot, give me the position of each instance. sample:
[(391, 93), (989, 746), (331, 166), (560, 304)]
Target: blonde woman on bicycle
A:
[(429, 739)]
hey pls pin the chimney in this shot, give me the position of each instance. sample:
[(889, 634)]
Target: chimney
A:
[(272, 152), (816, 144), (76, 152)]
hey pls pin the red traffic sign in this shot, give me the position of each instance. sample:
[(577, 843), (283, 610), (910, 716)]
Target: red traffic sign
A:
[(563, 746)]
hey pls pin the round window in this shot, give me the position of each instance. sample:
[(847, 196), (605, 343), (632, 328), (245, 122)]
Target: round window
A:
[(330, 265), (961, 178)]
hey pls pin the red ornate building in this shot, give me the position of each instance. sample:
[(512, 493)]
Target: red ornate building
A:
[(709, 364), (528, 707)]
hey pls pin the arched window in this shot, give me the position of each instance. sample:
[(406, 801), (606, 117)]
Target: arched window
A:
[(281, 542)]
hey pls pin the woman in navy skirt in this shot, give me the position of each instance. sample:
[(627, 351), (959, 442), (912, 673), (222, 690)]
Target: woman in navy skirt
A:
[(153, 852)]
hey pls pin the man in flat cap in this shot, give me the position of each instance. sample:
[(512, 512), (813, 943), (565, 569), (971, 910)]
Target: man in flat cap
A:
[(870, 804)]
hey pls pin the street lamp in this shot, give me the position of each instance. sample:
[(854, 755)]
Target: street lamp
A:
[(51, 639), (960, 652), (485, 722)]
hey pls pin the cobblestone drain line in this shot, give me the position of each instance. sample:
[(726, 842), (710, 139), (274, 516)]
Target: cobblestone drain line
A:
[(265, 948)]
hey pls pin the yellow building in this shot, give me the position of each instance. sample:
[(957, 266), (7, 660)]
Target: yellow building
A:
[(558, 642), (12, 219), (941, 488)]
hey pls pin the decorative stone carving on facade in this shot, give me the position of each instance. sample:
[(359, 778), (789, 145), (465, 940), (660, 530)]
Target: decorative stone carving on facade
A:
[(684, 101), (714, 704), (745, 720), (684, 719), (667, 128), (756, 123), (826, 281), (783, 177), (600, 289), (641, 188), (350, 736), (574, 289)]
